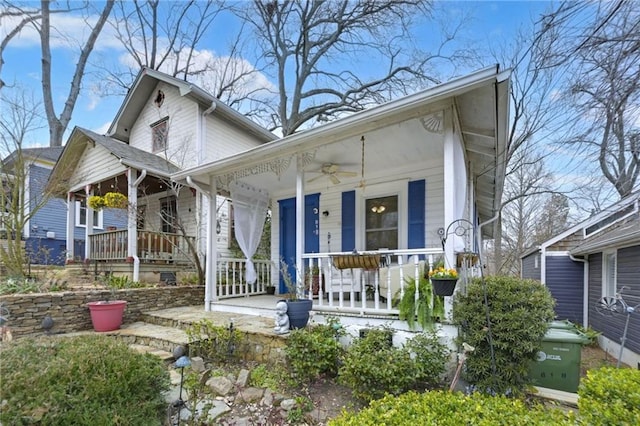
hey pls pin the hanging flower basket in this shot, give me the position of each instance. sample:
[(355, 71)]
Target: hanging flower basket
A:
[(443, 286), (443, 281), (115, 200), (96, 202)]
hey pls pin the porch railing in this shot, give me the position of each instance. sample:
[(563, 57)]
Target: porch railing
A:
[(231, 278), (365, 282), (152, 246)]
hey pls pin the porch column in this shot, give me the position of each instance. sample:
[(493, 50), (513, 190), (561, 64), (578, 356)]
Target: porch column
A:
[(71, 223), (449, 196), (211, 264), (299, 221), (89, 229), (132, 222)]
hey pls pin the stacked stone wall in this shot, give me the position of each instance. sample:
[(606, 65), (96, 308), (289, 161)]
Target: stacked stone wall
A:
[(70, 313)]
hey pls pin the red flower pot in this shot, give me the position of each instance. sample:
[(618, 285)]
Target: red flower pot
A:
[(107, 316)]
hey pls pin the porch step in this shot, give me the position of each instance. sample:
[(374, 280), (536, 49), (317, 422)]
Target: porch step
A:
[(151, 335)]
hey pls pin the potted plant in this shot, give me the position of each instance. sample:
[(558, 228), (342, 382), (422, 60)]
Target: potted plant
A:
[(443, 280), (270, 289), (115, 200), (298, 307), (424, 310), (106, 315), (96, 202)]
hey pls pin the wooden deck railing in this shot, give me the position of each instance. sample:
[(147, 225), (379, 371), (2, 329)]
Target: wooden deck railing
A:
[(152, 246)]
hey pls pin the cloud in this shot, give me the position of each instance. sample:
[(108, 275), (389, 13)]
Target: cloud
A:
[(68, 31), (102, 130)]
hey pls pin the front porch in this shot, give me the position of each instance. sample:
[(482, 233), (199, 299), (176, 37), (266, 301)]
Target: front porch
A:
[(365, 284)]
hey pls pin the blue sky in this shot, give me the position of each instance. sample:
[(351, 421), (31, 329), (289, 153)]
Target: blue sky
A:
[(490, 24)]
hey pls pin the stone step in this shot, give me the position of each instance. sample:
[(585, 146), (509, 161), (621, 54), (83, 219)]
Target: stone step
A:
[(165, 356), (151, 335)]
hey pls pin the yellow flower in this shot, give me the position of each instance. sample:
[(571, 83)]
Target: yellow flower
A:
[(443, 273), (96, 202), (115, 200)]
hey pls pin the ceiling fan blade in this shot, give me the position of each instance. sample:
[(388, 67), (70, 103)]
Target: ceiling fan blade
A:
[(330, 168), (316, 178), (347, 174), (334, 179)]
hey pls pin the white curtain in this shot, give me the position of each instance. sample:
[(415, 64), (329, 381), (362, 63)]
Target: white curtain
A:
[(249, 212)]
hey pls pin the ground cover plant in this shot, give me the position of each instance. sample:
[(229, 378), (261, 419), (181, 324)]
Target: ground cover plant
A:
[(87, 380), (504, 319)]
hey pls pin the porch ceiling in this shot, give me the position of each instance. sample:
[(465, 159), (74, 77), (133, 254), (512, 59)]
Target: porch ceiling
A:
[(400, 136)]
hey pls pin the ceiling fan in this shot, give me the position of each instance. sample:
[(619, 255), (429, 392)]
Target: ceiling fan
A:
[(333, 172)]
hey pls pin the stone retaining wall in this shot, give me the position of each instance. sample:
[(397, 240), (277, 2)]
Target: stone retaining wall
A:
[(70, 313)]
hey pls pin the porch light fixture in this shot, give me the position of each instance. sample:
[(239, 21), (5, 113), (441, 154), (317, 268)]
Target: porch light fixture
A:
[(378, 209), (218, 227)]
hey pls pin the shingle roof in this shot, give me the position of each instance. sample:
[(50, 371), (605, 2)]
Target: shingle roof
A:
[(132, 155), (624, 234), (44, 153)]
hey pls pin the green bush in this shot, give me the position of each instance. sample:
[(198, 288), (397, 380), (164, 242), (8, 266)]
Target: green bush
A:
[(373, 367), (213, 342), (519, 312), (610, 396), (439, 408), (89, 380), (313, 351)]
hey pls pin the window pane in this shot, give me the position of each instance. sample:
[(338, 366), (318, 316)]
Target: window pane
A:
[(168, 213), (381, 219), (159, 135)]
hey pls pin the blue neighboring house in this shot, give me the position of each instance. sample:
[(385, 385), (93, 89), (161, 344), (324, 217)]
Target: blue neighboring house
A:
[(45, 232), (595, 259)]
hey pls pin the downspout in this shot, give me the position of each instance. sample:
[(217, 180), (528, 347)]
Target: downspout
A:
[(585, 291), (479, 233), (134, 253), (203, 132)]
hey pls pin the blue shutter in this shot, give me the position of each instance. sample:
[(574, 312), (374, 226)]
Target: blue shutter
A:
[(415, 214), (348, 221)]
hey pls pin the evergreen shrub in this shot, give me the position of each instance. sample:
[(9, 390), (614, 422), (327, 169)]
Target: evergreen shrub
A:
[(506, 334)]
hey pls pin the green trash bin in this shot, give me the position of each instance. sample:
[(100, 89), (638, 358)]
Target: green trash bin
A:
[(563, 325), (558, 362)]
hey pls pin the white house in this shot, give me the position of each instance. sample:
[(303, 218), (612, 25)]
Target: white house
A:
[(371, 197), (164, 125)]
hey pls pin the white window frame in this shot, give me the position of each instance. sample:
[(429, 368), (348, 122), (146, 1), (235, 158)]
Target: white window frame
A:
[(386, 189), (398, 212), (160, 135), (99, 224), (609, 277)]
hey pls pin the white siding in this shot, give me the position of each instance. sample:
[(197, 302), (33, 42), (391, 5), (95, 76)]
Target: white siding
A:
[(96, 164), (182, 126), (224, 139), (395, 182)]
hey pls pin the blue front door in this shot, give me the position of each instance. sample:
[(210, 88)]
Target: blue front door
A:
[(288, 232)]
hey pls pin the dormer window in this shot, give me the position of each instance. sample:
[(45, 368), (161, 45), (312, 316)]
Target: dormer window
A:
[(159, 132)]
